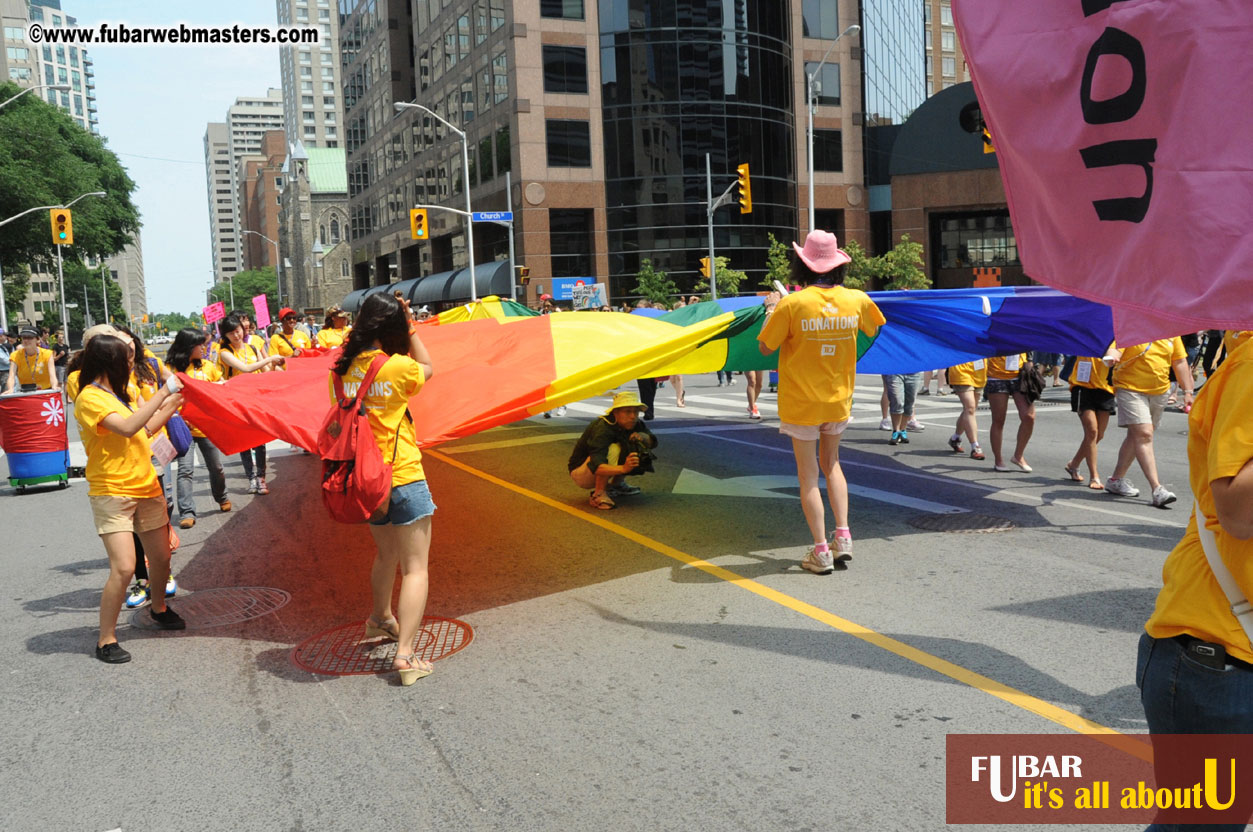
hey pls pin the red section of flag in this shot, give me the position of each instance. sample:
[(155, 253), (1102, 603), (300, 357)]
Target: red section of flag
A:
[(32, 423)]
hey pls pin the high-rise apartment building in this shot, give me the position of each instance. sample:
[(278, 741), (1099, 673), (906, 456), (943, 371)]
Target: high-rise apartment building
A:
[(127, 268), (946, 63), (603, 115), (313, 106), (225, 144)]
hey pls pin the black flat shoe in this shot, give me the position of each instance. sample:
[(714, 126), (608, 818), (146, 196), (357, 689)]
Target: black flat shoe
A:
[(168, 620), (112, 653)]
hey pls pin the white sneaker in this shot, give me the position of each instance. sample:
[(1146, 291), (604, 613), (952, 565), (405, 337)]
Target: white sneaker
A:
[(561, 411), (820, 563), (1162, 497), (886, 424), (914, 424), (1122, 487), (843, 547), (252, 485)]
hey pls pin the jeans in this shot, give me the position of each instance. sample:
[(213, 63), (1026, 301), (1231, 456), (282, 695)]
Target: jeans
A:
[(722, 373), (902, 389), (246, 458), (648, 395), (1182, 696), (187, 467)]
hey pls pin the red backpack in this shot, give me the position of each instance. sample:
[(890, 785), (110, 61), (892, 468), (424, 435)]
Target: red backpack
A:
[(356, 483)]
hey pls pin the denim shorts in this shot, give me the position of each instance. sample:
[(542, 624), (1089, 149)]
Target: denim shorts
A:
[(1003, 386), (409, 504)]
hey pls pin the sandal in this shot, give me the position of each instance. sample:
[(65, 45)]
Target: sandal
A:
[(1096, 485), (1075, 476), (389, 629), (601, 501), (414, 671)]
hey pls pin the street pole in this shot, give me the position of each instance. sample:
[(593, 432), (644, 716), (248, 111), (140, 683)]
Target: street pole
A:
[(709, 212), (86, 308), (65, 318), (465, 178), (230, 280), (809, 110), (513, 266), (4, 315), (104, 288)]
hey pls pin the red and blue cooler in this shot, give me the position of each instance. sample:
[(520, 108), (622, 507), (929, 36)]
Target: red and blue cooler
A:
[(34, 438)]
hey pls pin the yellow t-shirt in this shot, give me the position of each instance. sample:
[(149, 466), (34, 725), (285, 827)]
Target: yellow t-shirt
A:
[(279, 346), (246, 353), (973, 373), (1145, 368), (1005, 367), (330, 337), (71, 386), (1232, 338), (1220, 444), (257, 342), (36, 371), (205, 372), (1094, 377), (116, 466), (398, 380), (815, 331)]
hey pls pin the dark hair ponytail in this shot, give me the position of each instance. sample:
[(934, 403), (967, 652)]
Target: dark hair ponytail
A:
[(106, 357), (802, 275), (382, 318), (229, 324)]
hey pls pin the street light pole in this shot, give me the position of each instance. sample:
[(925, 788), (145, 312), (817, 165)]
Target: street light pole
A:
[(809, 111), (465, 173), (104, 287), (65, 319), (278, 264), (58, 87)]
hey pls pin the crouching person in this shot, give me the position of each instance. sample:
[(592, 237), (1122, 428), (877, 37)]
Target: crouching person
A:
[(614, 446)]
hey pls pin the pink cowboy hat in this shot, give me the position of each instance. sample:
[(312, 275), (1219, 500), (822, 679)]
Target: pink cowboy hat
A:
[(821, 252)]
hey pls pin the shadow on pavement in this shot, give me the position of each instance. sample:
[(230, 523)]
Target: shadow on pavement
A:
[(1122, 610)]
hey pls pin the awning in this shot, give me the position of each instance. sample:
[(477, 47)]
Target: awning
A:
[(491, 279)]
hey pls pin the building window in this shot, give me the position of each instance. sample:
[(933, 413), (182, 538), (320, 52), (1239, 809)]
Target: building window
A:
[(328, 72), (946, 14), (343, 268), (306, 72), (926, 12), (17, 53), (306, 100), (328, 102), (819, 19), (17, 73), (565, 9), (571, 243), (828, 150), (497, 8), (504, 152), (948, 40), (14, 33), (308, 117), (973, 240), (334, 231), (485, 159), (949, 66), (826, 83), (500, 75), (565, 69), (930, 65), (569, 143)]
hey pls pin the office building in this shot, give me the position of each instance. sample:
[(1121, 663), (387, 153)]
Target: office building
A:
[(313, 105), (127, 268), (261, 186), (946, 63), (225, 144)]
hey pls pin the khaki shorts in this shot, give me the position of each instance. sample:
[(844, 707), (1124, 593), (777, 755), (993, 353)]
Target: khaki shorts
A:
[(128, 514), (584, 477), (1140, 408), (962, 388), (809, 433)]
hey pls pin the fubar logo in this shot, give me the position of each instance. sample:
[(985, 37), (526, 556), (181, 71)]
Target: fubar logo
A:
[(1025, 767)]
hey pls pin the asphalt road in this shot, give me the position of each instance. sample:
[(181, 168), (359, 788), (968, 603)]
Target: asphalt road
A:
[(663, 666)]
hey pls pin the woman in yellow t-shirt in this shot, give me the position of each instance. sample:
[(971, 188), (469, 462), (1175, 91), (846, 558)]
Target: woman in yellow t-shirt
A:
[(966, 380), (816, 331), (1195, 663), (1002, 384), (403, 534), (335, 330), (187, 355), (289, 341), (1092, 397), (236, 357), (31, 366), (121, 482)]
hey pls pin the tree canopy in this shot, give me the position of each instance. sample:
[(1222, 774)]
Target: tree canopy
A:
[(655, 286), (247, 285)]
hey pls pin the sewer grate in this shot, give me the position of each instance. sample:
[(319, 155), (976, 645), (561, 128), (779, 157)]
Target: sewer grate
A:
[(219, 607), (961, 523), (341, 652)]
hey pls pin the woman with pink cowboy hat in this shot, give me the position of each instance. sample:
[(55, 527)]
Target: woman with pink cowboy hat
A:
[(816, 331)]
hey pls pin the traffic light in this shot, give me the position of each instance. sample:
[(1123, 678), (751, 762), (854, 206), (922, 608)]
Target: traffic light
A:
[(746, 189), (417, 224), (524, 274), (62, 227), (704, 267), (987, 142)]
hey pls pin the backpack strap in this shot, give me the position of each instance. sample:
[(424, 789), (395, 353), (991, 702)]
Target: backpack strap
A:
[(370, 373)]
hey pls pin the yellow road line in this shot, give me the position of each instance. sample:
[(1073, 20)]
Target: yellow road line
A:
[(509, 443), (1015, 697)]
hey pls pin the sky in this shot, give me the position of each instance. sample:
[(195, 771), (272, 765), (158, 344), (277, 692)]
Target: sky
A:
[(154, 104)]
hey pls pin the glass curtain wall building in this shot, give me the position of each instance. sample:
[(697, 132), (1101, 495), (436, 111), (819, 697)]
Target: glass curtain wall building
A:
[(679, 80), (893, 36)]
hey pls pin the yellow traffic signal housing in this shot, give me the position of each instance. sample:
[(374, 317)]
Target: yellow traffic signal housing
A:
[(417, 224), (746, 189), (704, 267), (987, 142), (62, 227), (524, 274)]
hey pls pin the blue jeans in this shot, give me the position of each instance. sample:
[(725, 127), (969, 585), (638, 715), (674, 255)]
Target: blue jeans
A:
[(187, 467), (1182, 696), (901, 391)]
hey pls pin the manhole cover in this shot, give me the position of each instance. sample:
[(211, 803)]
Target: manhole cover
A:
[(341, 652), (960, 523), (219, 607)]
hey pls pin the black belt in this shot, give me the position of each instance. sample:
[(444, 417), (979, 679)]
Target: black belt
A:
[(1210, 654)]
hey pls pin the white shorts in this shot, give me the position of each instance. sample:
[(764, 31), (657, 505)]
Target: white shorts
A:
[(809, 433), (1136, 408)]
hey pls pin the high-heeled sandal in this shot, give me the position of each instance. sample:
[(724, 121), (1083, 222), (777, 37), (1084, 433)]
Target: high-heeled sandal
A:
[(410, 674), (389, 629)]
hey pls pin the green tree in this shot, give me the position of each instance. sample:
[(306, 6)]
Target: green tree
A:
[(902, 266), (172, 322), (47, 159), (654, 286), (247, 285), (778, 264), (729, 279), (863, 270)]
